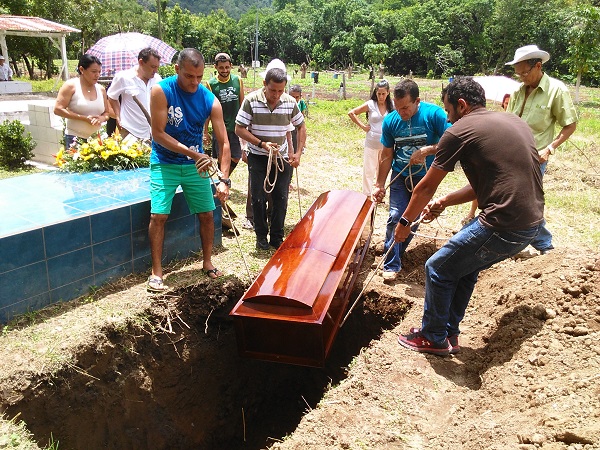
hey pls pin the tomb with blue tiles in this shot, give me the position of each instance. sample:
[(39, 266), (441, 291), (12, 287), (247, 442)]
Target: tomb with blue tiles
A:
[(61, 234)]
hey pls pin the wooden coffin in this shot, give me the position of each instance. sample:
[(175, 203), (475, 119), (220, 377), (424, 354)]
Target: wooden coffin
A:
[(292, 311)]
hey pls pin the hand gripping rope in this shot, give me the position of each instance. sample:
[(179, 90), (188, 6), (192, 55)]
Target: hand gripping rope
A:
[(208, 168), (277, 161)]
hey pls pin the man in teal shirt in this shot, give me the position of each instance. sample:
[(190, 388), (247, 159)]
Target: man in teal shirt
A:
[(542, 102)]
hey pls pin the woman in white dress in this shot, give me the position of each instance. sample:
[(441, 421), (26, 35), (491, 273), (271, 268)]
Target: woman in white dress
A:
[(376, 109), (83, 102)]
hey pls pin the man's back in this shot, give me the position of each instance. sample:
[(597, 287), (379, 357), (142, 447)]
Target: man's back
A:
[(497, 153)]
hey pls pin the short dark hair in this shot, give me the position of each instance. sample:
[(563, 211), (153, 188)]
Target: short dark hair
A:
[(86, 61), (190, 55), (466, 88), (407, 87), (277, 75), (148, 52)]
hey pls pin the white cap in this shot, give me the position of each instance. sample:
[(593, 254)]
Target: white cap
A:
[(275, 64), (529, 52), (2, 57)]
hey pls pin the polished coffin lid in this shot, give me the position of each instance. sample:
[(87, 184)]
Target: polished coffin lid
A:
[(302, 277)]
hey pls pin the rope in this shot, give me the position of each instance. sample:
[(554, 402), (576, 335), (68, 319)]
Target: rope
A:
[(416, 222), (278, 163), (298, 189), (208, 169)]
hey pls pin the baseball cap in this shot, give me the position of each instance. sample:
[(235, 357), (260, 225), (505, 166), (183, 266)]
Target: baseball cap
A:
[(222, 57)]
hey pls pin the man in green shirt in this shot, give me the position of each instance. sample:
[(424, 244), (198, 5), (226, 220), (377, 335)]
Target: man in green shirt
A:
[(542, 102), (229, 89)]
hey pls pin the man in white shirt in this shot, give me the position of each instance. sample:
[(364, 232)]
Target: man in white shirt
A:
[(134, 117), (5, 70)]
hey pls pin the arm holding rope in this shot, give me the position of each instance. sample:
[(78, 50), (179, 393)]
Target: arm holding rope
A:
[(385, 164), (419, 200), (245, 134), (438, 205), (418, 157), (295, 159), (220, 132)]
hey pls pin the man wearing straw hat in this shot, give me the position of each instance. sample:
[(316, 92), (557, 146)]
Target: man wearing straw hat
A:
[(543, 102)]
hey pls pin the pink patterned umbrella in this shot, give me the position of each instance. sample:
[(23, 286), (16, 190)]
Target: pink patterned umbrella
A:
[(120, 51)]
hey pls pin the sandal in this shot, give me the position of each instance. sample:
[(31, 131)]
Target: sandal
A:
[(212, 273), (155, 284)]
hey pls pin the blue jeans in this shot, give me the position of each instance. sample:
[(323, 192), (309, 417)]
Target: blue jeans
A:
[(257, 169), (543, 241), (451, 273), (399, 198)]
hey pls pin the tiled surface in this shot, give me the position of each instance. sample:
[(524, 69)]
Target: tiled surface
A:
[(62, 233)]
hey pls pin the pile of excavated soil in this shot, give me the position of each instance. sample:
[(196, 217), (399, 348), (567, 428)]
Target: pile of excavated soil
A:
[(527, 377)]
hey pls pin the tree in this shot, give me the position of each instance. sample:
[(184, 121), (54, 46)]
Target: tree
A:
[(584, 39)]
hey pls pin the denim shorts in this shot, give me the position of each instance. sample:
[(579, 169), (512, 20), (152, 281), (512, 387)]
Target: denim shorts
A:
[(166, 178)]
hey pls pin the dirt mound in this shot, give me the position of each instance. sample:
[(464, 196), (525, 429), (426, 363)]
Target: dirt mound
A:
[(526, 377)]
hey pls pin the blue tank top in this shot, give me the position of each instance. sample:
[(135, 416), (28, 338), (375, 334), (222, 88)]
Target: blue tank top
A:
[(185, 120)]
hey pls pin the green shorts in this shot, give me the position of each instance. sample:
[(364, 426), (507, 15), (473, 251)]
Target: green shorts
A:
[(166, 178)]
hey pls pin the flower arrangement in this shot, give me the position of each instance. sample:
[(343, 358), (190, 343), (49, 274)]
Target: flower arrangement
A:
[(109, 153)]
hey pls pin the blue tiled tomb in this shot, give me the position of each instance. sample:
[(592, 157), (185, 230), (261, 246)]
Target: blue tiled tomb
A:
[(61, 233)]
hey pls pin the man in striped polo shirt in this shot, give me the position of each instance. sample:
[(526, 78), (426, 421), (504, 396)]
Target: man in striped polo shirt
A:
[(263, 121)]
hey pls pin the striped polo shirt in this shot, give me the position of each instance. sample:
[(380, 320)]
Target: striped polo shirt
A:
[(267, 125)]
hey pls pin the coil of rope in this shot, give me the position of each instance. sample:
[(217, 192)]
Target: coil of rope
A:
[(277, 162)]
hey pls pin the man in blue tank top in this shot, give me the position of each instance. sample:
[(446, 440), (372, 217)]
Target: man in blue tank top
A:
[(179, 107)]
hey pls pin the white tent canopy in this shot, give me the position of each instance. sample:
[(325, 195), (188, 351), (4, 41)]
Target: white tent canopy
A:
[(36, 27)]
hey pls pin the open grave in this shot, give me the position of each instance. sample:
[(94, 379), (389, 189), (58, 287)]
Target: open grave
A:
[(172, 378)]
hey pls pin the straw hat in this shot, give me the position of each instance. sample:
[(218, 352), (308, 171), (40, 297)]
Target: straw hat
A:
[(529, 52), (275, 64)]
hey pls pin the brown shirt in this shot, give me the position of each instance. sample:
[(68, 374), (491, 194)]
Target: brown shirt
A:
[(497, 153)]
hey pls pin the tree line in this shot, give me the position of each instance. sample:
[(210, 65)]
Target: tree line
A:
[(431, 38)]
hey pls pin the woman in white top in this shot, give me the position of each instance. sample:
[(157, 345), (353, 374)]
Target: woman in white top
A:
[(376, 109), (83, 102)]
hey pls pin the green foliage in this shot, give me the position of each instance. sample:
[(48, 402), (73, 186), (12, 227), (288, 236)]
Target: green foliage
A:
[(438, 37), (167, 70), (16, 145)]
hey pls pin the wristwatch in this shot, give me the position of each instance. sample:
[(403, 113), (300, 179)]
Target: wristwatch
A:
[(226, 181), (404, 221)]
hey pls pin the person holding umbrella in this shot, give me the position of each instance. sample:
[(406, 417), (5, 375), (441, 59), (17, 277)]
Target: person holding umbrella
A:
[(83, 102)]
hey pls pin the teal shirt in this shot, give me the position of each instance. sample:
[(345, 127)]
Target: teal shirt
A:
[(548, 104)]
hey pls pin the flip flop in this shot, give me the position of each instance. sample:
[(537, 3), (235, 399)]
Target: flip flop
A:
[(155, 284), (212, 273)]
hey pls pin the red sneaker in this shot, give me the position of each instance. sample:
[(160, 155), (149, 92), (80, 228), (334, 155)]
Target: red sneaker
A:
[(452, 339), (418, 343)]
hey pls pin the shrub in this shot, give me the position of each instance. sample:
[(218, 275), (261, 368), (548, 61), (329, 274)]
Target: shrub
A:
[(16, 145)]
